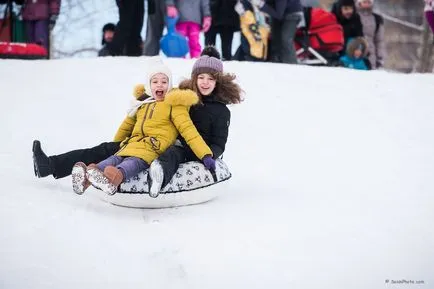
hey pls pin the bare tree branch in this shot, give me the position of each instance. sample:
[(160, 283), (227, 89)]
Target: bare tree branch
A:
[(78, 30)]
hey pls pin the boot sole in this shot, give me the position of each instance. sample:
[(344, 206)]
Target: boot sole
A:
[(79, 178), (99, 181), (35, 168), (156, 180)]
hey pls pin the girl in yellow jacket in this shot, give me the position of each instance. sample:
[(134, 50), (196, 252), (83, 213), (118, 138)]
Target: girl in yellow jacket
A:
[(152, 125)]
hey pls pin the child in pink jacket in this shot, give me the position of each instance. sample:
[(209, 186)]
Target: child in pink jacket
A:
[(194, 15), (39, 17), (429, 13)]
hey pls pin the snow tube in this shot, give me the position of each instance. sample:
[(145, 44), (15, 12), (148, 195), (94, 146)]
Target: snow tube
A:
[(11, 50), (191, 184)]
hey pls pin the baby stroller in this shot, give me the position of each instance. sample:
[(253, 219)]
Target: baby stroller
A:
[(320, 40)]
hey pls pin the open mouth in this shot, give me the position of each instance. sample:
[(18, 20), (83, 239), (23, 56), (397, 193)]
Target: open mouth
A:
[(159, 93)]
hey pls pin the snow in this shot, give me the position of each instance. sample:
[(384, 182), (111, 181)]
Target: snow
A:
[(332, 183)]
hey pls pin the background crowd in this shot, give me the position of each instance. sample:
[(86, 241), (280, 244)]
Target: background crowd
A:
[(364, 30)]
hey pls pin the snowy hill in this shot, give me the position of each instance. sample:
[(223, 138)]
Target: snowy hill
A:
[(332, 184)]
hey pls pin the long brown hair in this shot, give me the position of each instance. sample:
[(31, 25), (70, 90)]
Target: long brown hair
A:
[(226, 90)]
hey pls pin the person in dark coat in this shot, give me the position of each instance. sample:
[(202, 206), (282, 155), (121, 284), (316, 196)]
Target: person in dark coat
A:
[(108, 32), (211, 117), (347, 16), (225, 21), (154, 27), (39, 17), (127, 40)]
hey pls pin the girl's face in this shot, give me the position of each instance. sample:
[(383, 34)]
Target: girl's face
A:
[(205, 83), (366, 4), (347, 11), (159, 86)]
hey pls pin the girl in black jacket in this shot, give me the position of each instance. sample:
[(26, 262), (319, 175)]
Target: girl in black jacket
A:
[(347, 16), (211, 118)]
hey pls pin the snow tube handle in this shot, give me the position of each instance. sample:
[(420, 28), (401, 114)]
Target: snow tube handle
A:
[(171, 24), (214, 176)]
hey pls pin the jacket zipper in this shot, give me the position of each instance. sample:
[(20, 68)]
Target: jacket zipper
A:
[(152, 110), (146, 113)]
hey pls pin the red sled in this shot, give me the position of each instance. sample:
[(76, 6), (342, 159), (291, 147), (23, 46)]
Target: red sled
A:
[(321, 39), (12, 50)]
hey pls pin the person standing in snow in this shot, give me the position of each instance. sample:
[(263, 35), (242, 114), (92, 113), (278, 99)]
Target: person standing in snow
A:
[(151, 126), (154, 27), (349, 19), (225, 21), (355, 57), (108, 32), (429, 13), (39, 17), (211, 117), (194, 16), (373, 30), (286, 15), (127, 40)]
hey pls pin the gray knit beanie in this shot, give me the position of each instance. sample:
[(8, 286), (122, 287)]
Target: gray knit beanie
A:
[(207, 64)]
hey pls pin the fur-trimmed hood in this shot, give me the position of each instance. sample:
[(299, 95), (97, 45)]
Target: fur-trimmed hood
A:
[(355, 43), (184, 97), (185, 84)]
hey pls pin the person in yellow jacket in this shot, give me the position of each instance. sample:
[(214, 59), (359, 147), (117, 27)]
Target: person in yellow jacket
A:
[(152, 125)]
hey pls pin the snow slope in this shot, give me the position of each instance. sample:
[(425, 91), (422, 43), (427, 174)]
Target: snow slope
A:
[(332, 183)]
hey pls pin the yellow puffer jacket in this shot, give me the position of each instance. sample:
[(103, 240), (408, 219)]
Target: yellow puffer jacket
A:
[(156, 125)]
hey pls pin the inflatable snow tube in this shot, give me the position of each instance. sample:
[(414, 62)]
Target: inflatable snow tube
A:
[(191, 184), (11, 50)]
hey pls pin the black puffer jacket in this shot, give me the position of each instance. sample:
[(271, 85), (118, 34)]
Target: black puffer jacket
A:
[(212, 119), (223, 14), (352, 27)]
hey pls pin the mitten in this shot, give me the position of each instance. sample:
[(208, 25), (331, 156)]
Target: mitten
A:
[(206, 23), (257, 3), (139, 91), (209, 162), (239, 8), (172, 12)]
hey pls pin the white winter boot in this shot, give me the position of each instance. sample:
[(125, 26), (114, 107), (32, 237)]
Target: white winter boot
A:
[(79, 179), (156, 175), (99, 180)]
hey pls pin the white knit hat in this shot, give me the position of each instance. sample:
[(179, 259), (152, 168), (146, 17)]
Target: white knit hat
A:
[(360, 1), (154, 69)]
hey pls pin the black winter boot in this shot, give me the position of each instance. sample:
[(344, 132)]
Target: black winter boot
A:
[(41, 163)]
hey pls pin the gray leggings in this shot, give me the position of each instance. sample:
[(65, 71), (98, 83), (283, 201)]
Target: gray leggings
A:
[(289, 28), (129, 166)]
